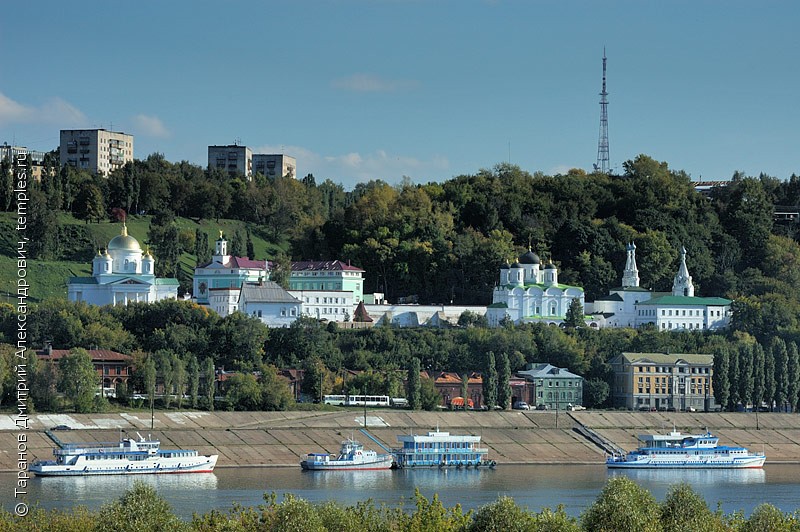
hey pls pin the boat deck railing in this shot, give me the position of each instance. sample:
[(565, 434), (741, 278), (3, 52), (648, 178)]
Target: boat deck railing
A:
[(441, 450)]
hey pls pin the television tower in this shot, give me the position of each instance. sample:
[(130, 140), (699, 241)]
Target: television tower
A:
[(602, 144)]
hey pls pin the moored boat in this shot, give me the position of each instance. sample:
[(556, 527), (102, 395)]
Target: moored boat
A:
[(352, 457), (127, 457), (685, 451), (441, 449)]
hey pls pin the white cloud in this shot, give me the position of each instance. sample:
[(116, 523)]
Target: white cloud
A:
[(53, 111), (371, 83), (354, 167), (151, 126)]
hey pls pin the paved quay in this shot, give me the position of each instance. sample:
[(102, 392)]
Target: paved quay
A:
[(513, 437)]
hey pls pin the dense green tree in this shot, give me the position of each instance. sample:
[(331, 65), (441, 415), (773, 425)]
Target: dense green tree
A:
[(490, 380), (503, 381), (150, 375), (242, 392), (622, 505), (721, 378), (501, 516), (759, 375), (414, 385), (164, 237), (201, 250), (193, 374), (768, 517), (78, 379), (240, 341), (684, 509), (780, 356), (164, 359), (281, 270), (429, 397), (140, 508), (734, 379), (793, 371), (179, 375), (574, 316), (770, 385), (745, 384), (748, 217), (595, 393), (275, 392), (465, 389), (42, 228), (7, 184), (209, 382), (317, 380), (89, 204), (237, 243)]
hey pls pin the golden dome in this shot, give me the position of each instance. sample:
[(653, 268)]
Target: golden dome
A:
[(124, 242)]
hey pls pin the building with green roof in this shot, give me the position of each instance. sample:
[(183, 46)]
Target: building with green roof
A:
[(528, 293), (633, 306)]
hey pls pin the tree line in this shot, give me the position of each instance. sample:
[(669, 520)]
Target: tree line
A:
[(183, 343), (443, 242), (622, 506)]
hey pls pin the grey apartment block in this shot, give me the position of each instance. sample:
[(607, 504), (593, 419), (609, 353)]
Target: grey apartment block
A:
[(234, 159), (273, 165), (98, 151)]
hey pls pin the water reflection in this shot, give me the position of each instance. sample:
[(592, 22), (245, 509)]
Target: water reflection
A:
[(693, 477), (91, 491)]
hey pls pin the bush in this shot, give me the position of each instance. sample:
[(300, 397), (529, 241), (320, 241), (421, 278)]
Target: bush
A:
[(683, 509), (140, 508), (503, 515), (622, 506)]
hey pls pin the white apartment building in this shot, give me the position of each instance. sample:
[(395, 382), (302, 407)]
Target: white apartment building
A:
[(95, 150)]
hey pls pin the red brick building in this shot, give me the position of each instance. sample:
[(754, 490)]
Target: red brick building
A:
[(112, 367)]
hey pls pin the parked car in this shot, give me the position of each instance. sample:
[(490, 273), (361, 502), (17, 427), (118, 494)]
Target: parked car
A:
[(62, 427), (521, 405), (541, 407)]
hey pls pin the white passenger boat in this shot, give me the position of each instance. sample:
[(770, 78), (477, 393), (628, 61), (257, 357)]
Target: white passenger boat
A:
[(352, 456), (441, 449), (685, 451), (128, 457)]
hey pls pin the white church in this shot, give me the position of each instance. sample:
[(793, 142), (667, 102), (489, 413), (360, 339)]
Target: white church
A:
[(121, 275), (527, 293), (633, 306)]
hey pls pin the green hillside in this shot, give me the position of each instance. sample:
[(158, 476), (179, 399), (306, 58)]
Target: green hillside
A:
[(80, 242)]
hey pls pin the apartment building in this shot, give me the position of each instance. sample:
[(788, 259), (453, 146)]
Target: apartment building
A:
[(661, 381), (95, 150), (274, 165), (233, 159)]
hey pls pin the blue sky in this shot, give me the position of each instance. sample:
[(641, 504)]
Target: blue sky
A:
[(425, 89)]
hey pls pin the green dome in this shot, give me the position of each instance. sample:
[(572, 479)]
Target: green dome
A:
[(124, 242)]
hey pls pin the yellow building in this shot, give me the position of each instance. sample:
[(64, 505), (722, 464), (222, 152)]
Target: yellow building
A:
[(658, 381)]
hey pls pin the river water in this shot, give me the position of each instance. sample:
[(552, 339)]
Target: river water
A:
[(531, 486)]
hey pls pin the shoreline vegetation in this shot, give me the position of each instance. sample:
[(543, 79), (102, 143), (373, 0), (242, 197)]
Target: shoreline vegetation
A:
[(621, 506)]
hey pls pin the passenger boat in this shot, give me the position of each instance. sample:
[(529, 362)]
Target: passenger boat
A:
[(441, 449), (352, 456), (128, 457), (685, 451)]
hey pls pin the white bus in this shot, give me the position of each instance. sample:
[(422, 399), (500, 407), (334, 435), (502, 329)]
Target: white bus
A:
[(338, 400), (368, 400)]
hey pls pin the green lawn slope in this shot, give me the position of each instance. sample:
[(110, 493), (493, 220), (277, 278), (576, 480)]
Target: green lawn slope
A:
[(79, 244)]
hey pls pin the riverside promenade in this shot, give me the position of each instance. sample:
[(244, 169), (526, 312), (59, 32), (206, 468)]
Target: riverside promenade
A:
[(513, 437)]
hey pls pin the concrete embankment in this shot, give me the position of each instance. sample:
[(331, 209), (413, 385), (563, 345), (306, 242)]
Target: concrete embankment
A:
[(282, 438)]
